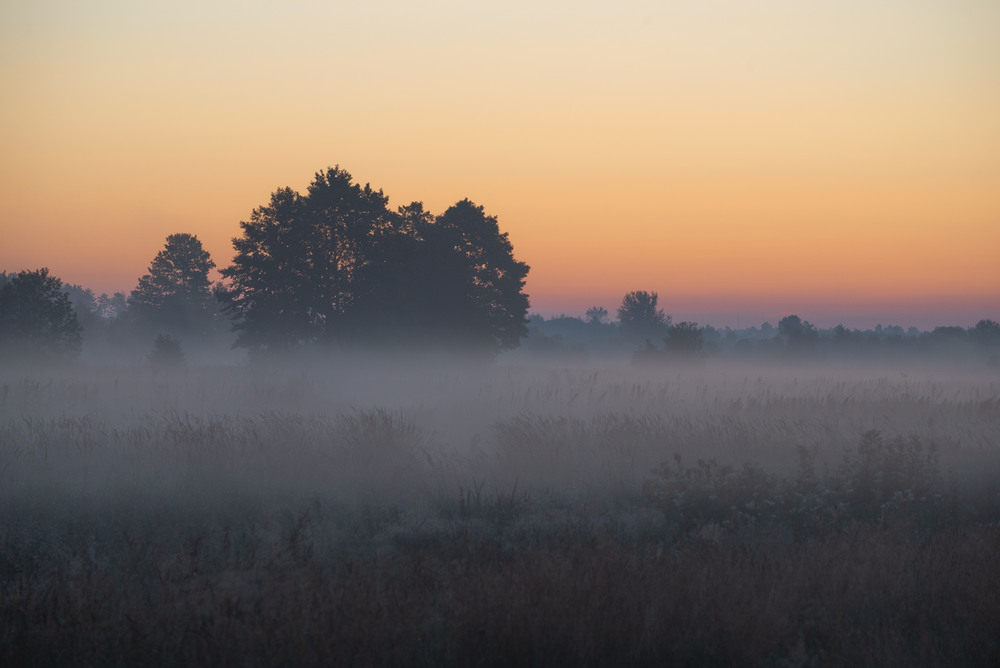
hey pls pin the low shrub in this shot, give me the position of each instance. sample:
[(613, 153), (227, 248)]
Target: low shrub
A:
[(883, 480)]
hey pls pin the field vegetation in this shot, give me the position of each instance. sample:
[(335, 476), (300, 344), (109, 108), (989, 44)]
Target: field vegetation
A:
[(354, 512)]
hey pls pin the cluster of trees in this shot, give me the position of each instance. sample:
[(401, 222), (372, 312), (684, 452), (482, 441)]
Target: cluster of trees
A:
[(647, 331), (640, 320), (40, 317), (331, 267), (336, 267)]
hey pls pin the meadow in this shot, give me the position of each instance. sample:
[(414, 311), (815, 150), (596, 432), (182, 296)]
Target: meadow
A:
[(400, 512)]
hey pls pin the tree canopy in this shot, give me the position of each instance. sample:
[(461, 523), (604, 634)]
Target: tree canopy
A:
[(37, 318), (640, 318), (597, 315), (336, 266), (798, 333), (986, 332), (685, 338), (176, 294)]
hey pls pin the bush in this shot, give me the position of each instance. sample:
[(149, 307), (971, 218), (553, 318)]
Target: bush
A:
[(882, 481), (888, 476)]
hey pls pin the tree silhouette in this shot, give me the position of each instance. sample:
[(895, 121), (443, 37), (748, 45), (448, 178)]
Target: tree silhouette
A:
[(336, 266), (37, 317), (82, 299), (684, 338), (111, 307), (948, 334), (294, 278), (394, 291), (640, 319), (85, 306), (798, 333), (175, 296), (476, 285), (986, 332), (597, 315)]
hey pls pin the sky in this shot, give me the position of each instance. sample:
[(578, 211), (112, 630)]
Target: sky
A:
[(835, 159)]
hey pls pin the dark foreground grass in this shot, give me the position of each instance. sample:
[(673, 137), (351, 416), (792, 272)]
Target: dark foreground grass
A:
[(507, 581), (570, 538)]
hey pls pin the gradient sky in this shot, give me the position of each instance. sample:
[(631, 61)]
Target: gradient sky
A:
[(837, 159)]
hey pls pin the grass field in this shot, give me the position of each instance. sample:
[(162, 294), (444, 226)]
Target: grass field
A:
[(397, 513)]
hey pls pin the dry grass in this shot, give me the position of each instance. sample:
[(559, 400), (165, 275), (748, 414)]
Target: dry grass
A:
[(579, 590), (507, 516)]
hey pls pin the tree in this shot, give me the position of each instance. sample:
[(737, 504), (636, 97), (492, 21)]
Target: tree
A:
[(986, 332), (640, 319), (336, 266), (175, 295), (948, 334), (294, 279), (85, 306), (449, 280), (396, 292), (684, 338), (597, 315), (82, 299), (798, 333), (111, 307), (477, 285), (842, 334), (37, 317)]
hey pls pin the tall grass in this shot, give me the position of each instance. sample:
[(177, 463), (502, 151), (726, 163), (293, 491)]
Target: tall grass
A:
[(697, 516)]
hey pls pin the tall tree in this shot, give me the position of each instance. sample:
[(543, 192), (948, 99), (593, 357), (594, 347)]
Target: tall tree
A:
[(393, 291), (175, 296), (640, 318), (37, 317), (294, 278), (476, 285)]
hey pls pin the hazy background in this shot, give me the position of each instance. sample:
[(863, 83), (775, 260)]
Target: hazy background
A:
[(837, 158)]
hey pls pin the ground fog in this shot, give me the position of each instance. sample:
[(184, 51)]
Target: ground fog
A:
[(416, 503)]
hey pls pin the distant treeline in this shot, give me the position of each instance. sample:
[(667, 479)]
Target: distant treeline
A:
[(42, 318), (336, 269), (650, 335)]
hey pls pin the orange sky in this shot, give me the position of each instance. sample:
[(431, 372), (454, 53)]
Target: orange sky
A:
[(835, 157)]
